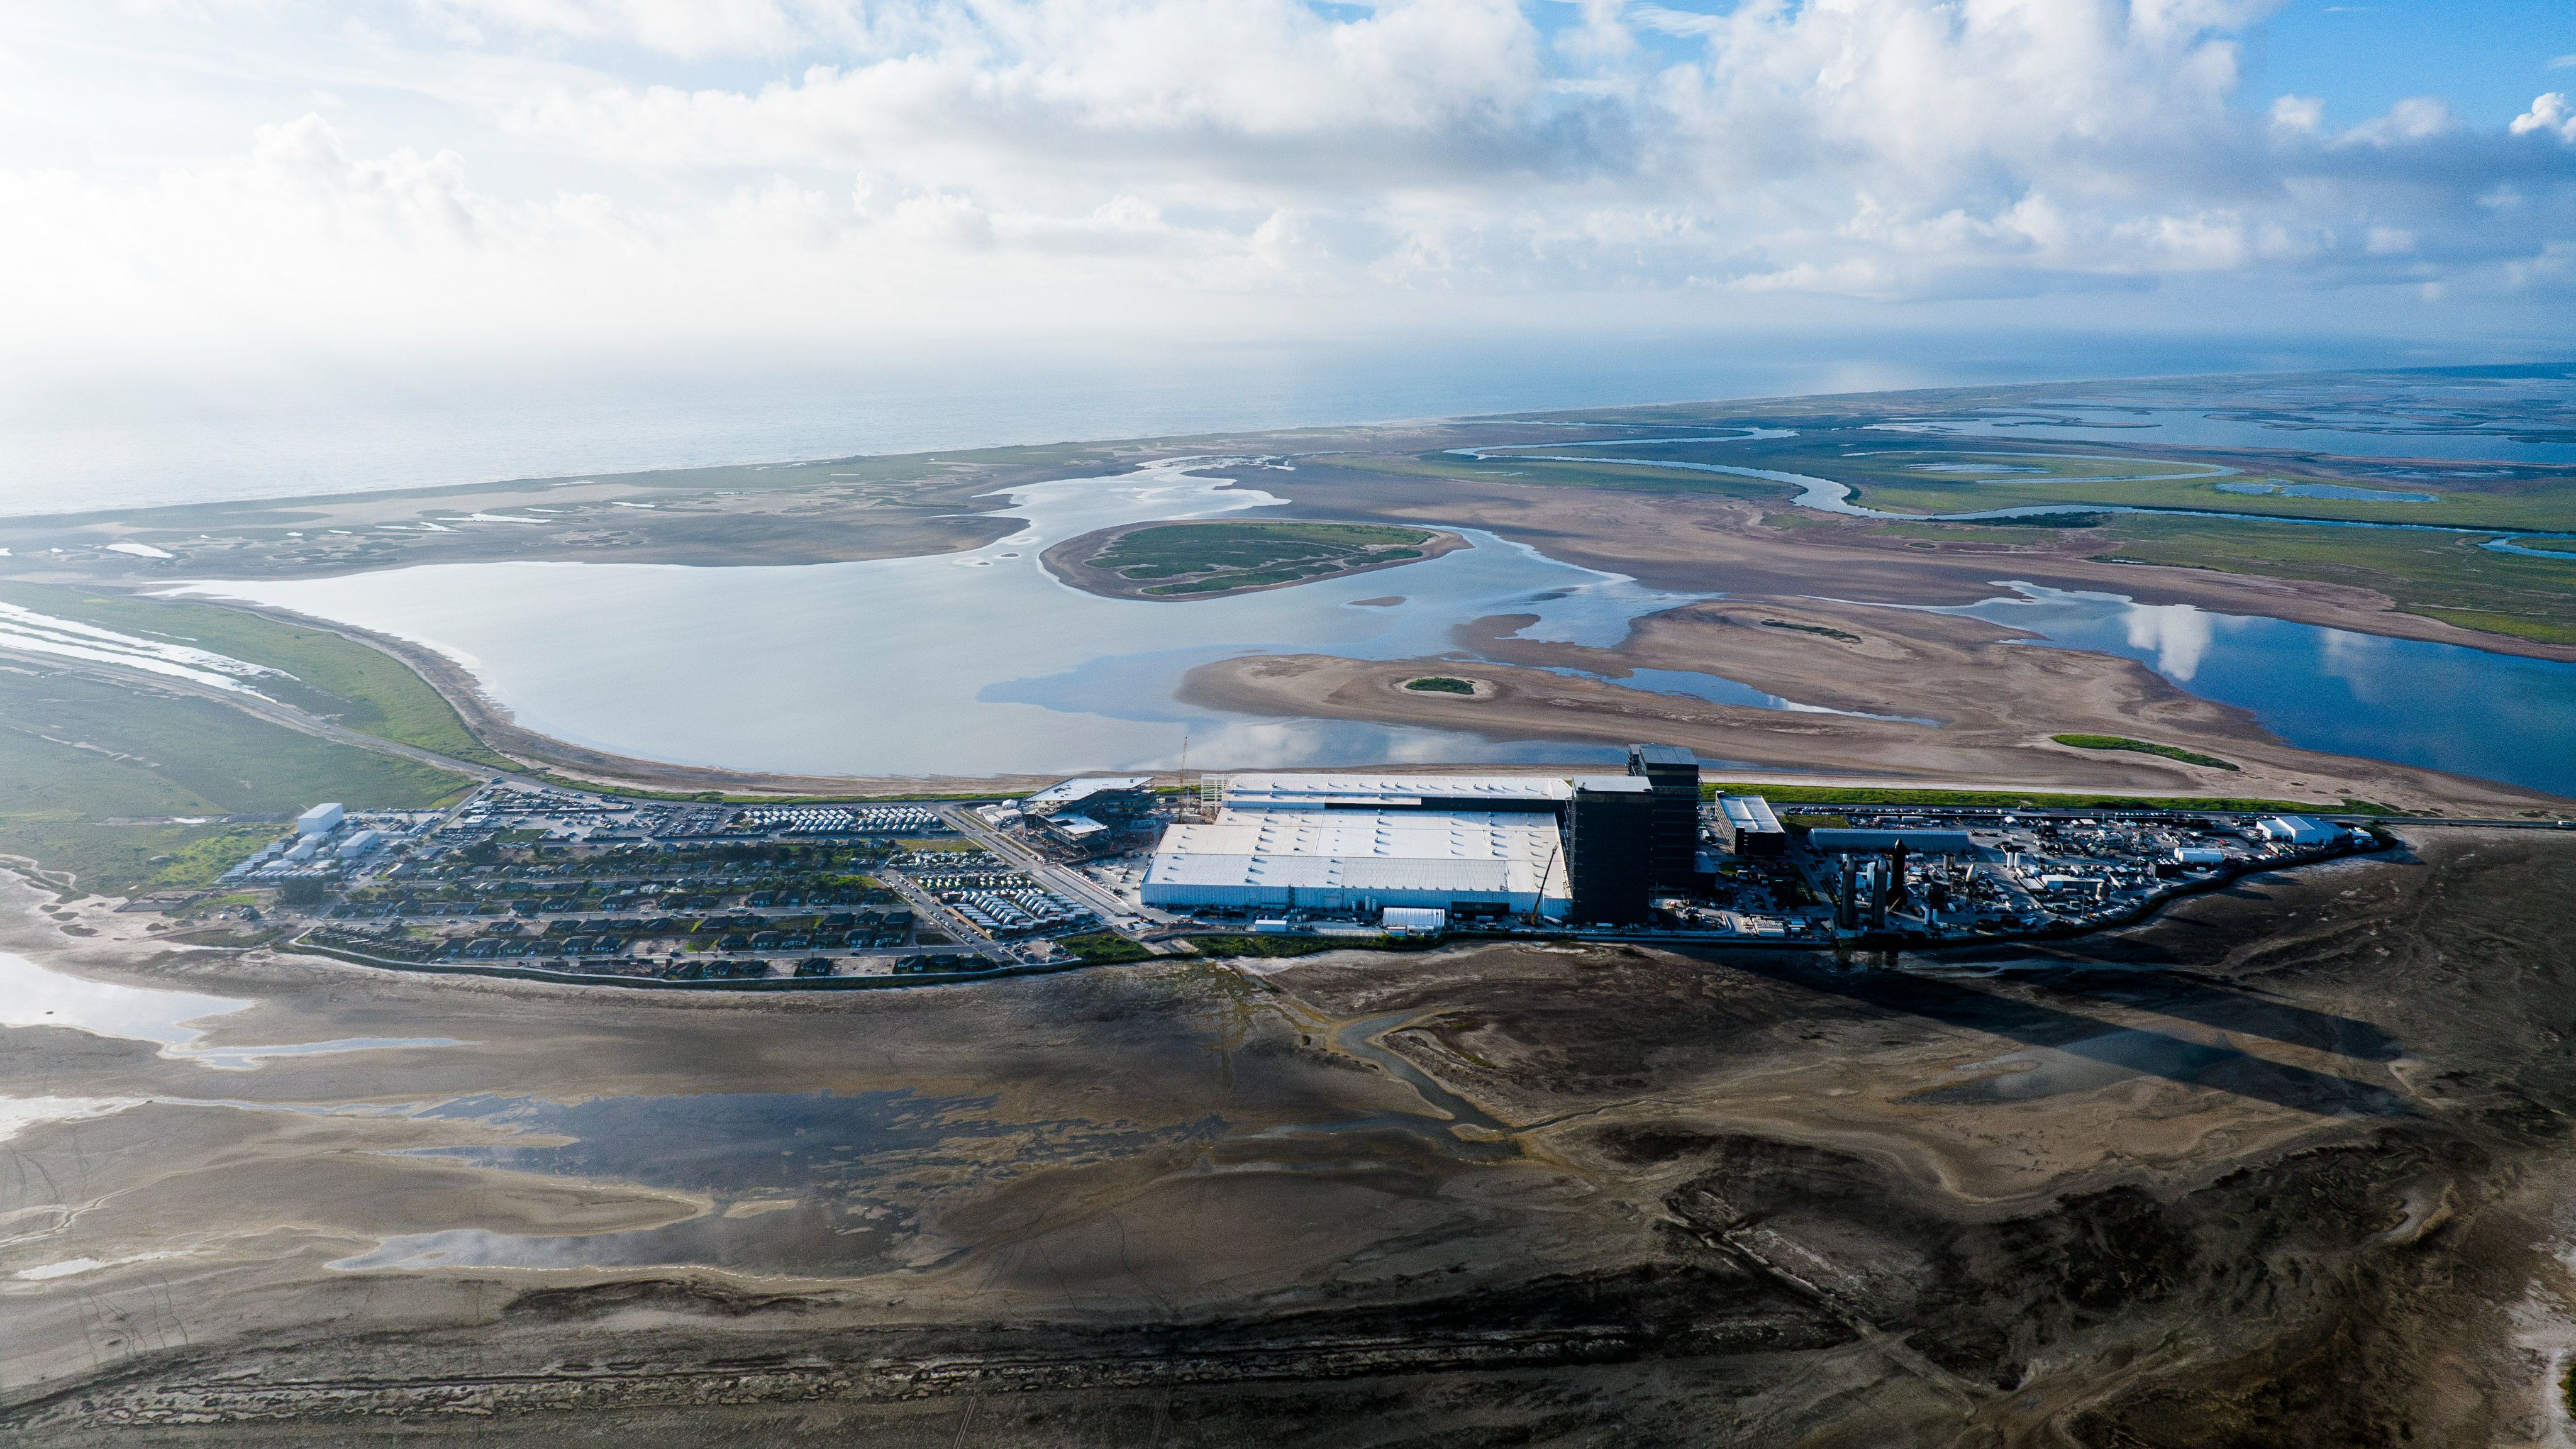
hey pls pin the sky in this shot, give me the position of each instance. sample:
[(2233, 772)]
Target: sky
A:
[(508, 182)]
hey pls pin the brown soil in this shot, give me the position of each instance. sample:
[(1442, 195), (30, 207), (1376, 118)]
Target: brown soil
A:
[(1997, 700), (2283, 1166), (1708, 543)]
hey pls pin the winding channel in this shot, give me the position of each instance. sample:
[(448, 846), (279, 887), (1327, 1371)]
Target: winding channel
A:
[(1827, 496), (2440, 706)]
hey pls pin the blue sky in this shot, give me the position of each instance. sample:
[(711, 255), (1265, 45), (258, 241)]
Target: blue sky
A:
[(655, 176), (2488, 58)]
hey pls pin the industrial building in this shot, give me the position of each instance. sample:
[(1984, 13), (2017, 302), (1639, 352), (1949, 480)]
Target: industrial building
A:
[(1475, 846), (1833, 841), (1348, 843), (1610, 850), (1089, 813), (1748, 828), (1673, 772)]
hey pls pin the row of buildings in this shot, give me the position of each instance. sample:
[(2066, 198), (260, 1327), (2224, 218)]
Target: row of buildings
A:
[(1588, 849)]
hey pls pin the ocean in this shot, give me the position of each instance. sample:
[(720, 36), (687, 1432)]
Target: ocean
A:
[(83, 441)]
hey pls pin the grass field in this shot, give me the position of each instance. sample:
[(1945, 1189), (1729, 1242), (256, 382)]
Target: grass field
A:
[(2439, 575), (1967, 480), (1103, 948), (1210, 558), (359, 688), (2123, 742), (82, 763), (2026, 799), (1304, 945)]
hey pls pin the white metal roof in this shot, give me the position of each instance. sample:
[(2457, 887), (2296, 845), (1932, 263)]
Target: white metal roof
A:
[(1749, 812), (1517, 851), (1066, 792), (1312, 792)]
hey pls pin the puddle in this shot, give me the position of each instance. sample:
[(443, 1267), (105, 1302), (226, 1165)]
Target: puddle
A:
[(1472, 1132), (801, 1184), (19, 1113), (2080, 1066), (31, 995)]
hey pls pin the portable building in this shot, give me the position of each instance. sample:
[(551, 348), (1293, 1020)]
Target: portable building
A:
[(1748, 827), (2294, 830)]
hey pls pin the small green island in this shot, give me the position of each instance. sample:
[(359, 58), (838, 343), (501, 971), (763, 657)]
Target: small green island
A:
[(1843, 635), (1179, 561), (2122, 742), (1441, 684)]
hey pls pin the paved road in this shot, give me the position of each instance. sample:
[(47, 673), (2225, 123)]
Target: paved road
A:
[(1066, 882), (929, 911)]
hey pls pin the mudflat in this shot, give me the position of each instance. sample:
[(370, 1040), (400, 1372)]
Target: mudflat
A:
[(1961, 700), (2157, 1186)]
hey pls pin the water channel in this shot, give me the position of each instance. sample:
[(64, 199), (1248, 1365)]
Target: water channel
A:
[(981, 662), (978, 662)]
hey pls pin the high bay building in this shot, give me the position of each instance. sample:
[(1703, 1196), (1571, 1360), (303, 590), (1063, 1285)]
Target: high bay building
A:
[(1580, 849)]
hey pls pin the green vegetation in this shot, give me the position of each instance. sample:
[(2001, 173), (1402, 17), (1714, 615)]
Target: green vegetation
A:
[(2439, 575), (91, 775), (1440, 684), (1812, 629), (1215, 558), (334, 678), (1103, 948), (1994, 529), (2123, 742), (1815, 822), (1305, 945), (1923, 481), (2028, 799)]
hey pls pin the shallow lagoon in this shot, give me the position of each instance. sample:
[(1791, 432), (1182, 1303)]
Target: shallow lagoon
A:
[(982, 663), (969, 663), (2496, 716)]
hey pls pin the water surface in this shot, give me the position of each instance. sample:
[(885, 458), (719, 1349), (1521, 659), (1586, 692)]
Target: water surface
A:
[(2495, 716), (977, 662)]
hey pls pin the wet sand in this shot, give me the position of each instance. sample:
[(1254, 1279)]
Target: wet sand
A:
[(1997, 700), (2282, 1165), (1695, 542)]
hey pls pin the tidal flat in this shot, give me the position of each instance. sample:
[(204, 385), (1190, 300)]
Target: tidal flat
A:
[(2285, 1164)]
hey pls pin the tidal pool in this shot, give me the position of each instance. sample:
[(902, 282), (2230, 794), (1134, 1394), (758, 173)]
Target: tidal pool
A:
[(812, 1184), (31, 995), (2496, 716)]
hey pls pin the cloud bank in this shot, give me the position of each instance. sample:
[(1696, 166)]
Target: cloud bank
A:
[(775, 166)]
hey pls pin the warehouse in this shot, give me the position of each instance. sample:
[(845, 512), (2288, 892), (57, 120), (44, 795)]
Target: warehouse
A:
[(1354, 843), (1747, 827)]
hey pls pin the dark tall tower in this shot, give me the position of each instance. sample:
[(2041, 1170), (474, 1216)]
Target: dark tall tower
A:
[(1673, 772), (1609, 849)]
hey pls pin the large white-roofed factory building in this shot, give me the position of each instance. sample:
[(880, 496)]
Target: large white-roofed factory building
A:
[(1472, 845)]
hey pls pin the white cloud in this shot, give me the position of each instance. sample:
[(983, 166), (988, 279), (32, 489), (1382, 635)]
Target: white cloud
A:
[(2549, 112), (606, 166)]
